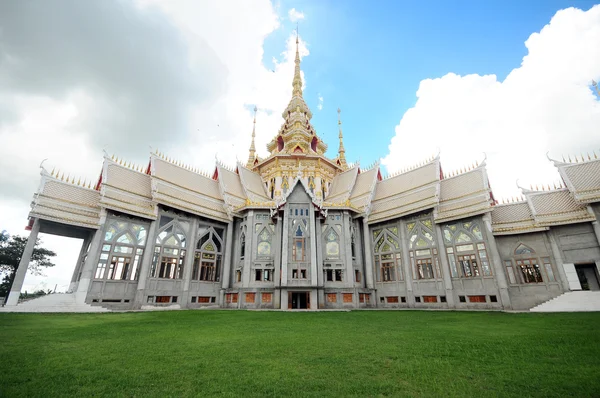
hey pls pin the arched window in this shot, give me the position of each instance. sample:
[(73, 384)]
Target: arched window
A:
[(169, 252), (388, 254), (242, 246), (207, 257), (122, 250), (332, 244), (466, 251), (528, 269), (423, 253)]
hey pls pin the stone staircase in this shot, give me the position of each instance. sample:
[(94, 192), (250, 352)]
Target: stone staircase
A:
[(57, 302), (577, 301)]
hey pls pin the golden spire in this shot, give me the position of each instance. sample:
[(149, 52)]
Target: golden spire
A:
[(297, 82), (252, 154), (341, 150)]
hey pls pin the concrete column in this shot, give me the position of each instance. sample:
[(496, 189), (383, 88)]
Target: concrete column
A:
[(349, 282), (368, 255), (188, 262), (227, 256), (91, 261), (320, 281), (408, 277), (79, 264), (146, 263), (277, 262), (562, 276), (284, 253), (496, 262), (249, 254), (445, 266), (596, 226), (313, 250), (15, 290)]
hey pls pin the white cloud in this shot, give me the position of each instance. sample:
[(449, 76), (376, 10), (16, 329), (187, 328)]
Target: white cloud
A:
[(546, 104), (320, 105), (294, 15), (68, 120)]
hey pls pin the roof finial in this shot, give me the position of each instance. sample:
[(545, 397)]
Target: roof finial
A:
[(297, 82), (252, 154), (341, 150)]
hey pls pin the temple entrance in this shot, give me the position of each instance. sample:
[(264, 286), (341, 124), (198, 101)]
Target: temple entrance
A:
[(298, 300), (588, 276)]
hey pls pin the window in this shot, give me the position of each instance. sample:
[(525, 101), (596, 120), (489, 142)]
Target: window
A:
[(442, 299), (122, 250), (164, 299), (403, 299), (529, 270), (298, 273), (266, 297), (169, 252), (331, 297), (425, 268), (329, 275), (466, 251), (332, 246), (548, 268), (417, 299), (264, 243), (364, 298), (347, 297), (242, 246), (493, 299), (476, 299), (250, 297), (392, 299), (462, 299), (238, 276), (430, 299), (207, 257), (338, 275), (231, 298), (353, 243), (262, 275), (510, 271), (357, 276), (388, 256)]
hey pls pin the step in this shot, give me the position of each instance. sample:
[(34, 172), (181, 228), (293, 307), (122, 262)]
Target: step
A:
[(575, 301)]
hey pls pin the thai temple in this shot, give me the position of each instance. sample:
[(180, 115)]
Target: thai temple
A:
[(299, 230)]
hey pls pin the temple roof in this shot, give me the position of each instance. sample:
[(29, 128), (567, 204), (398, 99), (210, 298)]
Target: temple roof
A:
[(582, 178)]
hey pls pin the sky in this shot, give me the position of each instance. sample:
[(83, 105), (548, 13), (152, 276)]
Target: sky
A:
[(505, 81)]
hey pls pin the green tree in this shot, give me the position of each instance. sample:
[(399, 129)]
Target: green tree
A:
[(11, 250)]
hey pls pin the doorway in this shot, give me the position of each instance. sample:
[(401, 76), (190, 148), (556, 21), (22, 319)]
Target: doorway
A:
[(298, 300), (588, 276)]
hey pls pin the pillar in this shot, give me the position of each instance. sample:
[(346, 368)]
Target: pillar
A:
[(188, 262), (226, 274), (277, 262), (284, 254), (564, 281), (249, 251), (17, 285), (497, 264), (348, 250), (313, 250), (146, 263), (408, 275), (596, 226), (80, 260), (445, 266), (91, 261), (368, 255)]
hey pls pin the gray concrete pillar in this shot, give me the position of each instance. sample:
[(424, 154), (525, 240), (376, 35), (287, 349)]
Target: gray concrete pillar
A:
[(15, 290), (284, 254), (277, 262), (596, 226), (496, 260), (146, 263), (408, 275), (249, 251), (80, 260), (562, 276), (368, 254), (188, 262), (445, 266), (313, 250), (227, 263), (91, 261), (349, 282)]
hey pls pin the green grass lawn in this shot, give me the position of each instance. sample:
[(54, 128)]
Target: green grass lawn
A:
[(241, 353)]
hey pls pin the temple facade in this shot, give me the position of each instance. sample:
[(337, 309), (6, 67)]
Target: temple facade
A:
[(299, 230)]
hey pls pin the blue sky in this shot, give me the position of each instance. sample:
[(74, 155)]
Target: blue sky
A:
[(369, 60)]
